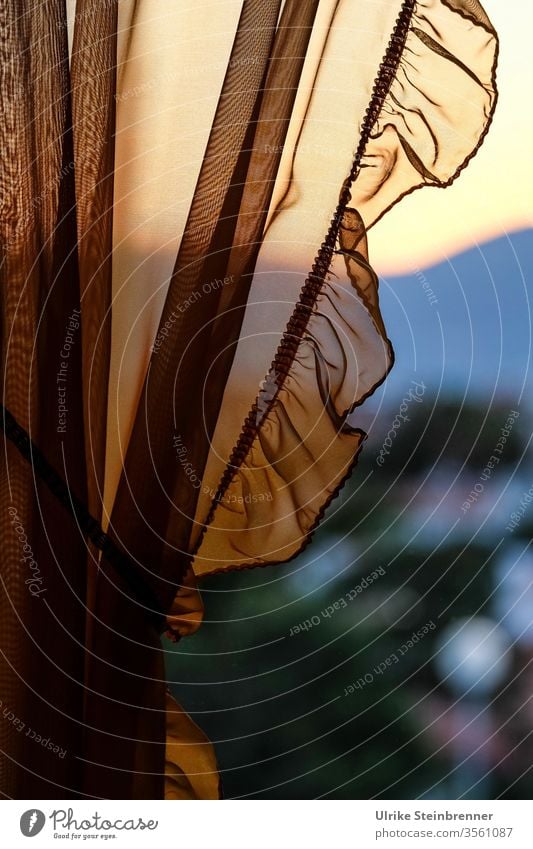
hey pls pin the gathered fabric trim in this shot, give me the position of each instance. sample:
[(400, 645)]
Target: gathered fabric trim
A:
[(384, 116)]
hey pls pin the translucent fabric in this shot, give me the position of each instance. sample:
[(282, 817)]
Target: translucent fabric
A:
[(44, 561), (298, 444), (164, 198)]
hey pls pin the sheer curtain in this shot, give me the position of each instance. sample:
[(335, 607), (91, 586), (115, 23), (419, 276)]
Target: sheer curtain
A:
[(189, 323)]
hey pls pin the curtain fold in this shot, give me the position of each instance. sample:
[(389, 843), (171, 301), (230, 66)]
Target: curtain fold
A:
[(220, 242), (430, 106), (245, 426), (93, 86), (124, 675), (43, 558)]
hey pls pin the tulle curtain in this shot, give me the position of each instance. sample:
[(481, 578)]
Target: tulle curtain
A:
[(189, 323)]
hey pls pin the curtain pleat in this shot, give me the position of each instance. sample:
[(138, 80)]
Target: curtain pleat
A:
[(124, 714), (155, 504), (221, 470), (429, 109), (93, 73)]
